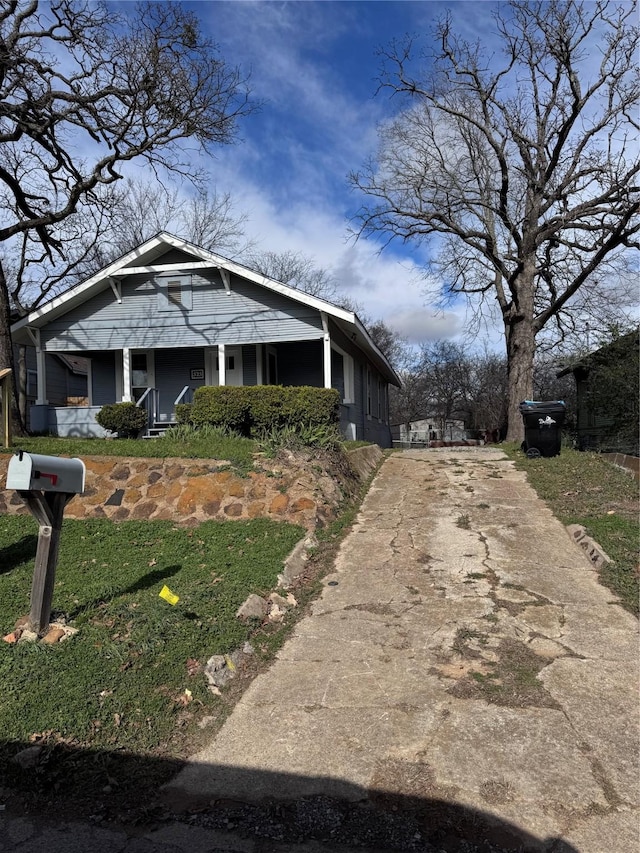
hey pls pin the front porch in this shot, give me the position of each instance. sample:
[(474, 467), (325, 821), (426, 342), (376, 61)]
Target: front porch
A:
[(158, 380)]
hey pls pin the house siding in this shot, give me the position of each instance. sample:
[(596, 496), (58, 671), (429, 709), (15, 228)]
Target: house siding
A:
[(62, 383), (172, 373), (103, 378), (249, 366), (368, 428), (248, 314)]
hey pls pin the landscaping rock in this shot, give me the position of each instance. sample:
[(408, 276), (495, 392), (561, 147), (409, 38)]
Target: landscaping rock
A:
[(53, 635), (217, 671), (28, 636), (253, 608), (220, 669), (594, 552), (296, 562)]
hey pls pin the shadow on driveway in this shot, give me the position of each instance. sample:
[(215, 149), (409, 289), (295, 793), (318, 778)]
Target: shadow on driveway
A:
[(60, 783)]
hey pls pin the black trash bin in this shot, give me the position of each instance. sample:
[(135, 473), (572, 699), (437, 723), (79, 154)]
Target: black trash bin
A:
[(542, 427)]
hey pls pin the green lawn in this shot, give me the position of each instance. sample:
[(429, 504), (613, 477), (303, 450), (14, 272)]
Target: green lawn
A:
[(119, 683), (584, 488), (238, 451)]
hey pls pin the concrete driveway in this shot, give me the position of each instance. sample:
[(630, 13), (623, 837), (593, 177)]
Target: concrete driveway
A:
[(463, 667)]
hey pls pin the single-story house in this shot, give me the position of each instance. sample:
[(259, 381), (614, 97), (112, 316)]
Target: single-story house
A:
[(170, 316)]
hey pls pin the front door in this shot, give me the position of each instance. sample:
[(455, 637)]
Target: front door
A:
[(233, 358), (142, 373)]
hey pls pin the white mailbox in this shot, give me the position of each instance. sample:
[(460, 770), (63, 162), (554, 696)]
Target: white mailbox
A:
[(31, 471)]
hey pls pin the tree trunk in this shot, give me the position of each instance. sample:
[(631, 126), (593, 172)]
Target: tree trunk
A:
[(6, 348), (521, 349), (21, 368)]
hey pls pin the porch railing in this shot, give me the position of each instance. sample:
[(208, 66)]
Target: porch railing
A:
[(185, 396), (149, 401)]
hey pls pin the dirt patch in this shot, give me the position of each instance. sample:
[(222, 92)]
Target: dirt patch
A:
[(512, 680)]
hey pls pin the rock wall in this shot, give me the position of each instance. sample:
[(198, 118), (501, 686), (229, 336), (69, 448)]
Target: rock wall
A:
[(304, 488)]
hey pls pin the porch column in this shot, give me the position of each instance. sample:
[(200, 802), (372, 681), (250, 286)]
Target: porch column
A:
[(327, 350), (126, 375), (259, 368), (41, 369), (222, 365)]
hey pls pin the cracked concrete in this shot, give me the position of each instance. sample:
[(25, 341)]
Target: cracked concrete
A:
[(462, 658)]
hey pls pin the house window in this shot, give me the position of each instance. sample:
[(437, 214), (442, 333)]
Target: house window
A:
[(369, 405), (174, 292)]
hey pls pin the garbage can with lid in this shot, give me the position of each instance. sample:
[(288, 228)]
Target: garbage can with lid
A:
[(542, 427)]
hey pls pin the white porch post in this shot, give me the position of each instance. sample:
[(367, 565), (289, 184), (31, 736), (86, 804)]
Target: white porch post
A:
[(222, 365), (327, 350), (41, 369), (259, 369), (126, 375)]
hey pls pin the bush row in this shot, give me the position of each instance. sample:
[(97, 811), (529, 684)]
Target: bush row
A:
[(253, 410)]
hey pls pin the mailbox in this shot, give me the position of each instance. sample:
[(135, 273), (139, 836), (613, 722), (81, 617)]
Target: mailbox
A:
[(34, 472)]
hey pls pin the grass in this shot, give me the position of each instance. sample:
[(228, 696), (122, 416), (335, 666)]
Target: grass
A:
[(120, 682), (234, 449), (584, 488)]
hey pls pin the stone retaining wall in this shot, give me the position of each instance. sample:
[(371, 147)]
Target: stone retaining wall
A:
[(303, 488)]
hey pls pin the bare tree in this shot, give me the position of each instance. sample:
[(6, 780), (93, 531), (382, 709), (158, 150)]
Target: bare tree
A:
[(488, 395), (522, 171), (446, 372), (143, 209), (296, 269), (84, 90), (390, 342)]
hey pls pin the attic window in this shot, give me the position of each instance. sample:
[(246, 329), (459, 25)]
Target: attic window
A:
[(174, 292)]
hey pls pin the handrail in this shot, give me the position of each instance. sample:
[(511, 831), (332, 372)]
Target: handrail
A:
[(152, 410), (186, 390), (144, 396)]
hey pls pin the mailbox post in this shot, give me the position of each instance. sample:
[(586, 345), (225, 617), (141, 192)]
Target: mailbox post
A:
[(46, 484)]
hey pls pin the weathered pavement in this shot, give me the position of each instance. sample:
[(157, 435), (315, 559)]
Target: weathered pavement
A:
[(463, 662), (462, 680)]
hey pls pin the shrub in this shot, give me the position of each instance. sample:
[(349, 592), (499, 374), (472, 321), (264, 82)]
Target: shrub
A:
[(125, 419), (324, 436), (257, 409), (223, 406), (183, 413)]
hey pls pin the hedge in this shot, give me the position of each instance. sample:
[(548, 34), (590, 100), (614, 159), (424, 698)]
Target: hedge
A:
[(125, 419), (251, 410)]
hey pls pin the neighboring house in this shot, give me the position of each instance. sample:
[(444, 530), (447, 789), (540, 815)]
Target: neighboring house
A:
[(169, 317), (607, 396), (66, 378), (429, 429)]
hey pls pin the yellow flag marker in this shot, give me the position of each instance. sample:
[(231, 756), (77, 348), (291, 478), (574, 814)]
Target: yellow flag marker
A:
[(169, 596)]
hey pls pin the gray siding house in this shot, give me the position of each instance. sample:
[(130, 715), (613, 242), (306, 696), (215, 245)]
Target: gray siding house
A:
[(169, 317)]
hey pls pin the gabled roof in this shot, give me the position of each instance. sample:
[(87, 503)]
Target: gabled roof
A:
[(143, 259)]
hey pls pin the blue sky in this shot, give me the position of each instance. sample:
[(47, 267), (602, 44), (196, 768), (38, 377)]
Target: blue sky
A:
[(314, 67)]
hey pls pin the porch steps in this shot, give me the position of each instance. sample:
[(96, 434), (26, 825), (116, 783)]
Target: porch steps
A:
[(159, 429)]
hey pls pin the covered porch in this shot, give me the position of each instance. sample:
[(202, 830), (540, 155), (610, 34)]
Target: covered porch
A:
[(159, 379)]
